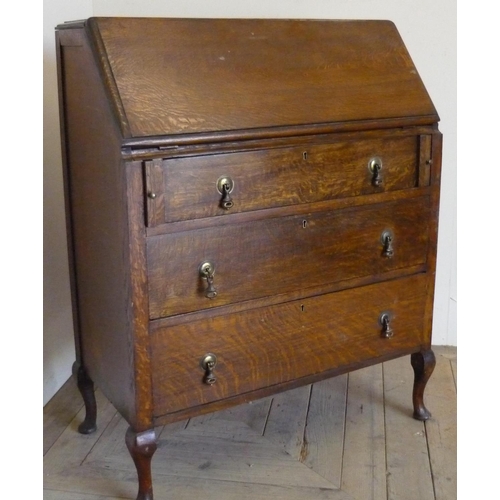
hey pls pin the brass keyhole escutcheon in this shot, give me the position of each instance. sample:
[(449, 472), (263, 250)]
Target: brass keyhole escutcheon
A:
[(208, 363), (225, 186), (375, 166)]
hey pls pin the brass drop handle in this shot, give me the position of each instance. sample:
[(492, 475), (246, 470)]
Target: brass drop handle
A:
[(226, 201), (388, 249), (385, 321), (225, 186), (207, 271), (208, 364), (375, 166)]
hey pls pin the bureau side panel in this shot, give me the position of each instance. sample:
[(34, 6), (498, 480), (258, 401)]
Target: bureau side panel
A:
[(96, 205), (435, 180)]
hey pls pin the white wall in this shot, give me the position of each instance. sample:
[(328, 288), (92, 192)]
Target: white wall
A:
[(429, 31), (58, 346)]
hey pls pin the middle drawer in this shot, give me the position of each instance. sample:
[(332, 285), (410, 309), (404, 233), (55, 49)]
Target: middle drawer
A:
[(280, 255)]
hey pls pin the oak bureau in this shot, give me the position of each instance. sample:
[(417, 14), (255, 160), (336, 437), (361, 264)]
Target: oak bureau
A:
[(252, 205)]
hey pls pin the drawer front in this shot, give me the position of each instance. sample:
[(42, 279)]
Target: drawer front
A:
[(280, 255), (187, 188), (267, 346)]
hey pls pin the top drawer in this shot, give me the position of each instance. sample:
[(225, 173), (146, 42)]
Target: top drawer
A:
[(192, 188)]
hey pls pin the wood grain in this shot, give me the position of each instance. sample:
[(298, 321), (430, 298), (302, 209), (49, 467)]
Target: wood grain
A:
[(138, 320), (155, 193), (303, 209), (99, 230), (287, 419), (281, 177), (290, 341), (204, 450), (106, 473), (196, 75), (173, 146), (66, 495), (323, 444), (454, 370), (72, 448), (274, 256), (153, 112), (253, 415), (364, 459), (424, 161), (441, 430), (408, 467), (59, 412)]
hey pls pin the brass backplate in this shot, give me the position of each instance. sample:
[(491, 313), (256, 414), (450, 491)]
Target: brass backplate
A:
[(374, 161), (206, 269), (224, 179), (208, 358)]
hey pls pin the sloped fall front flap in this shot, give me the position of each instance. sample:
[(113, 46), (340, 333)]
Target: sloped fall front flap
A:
[(185, 76)]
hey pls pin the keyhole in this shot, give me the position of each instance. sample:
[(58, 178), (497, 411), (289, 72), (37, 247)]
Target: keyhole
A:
[(304, 224), (302, 307), (304, 155)]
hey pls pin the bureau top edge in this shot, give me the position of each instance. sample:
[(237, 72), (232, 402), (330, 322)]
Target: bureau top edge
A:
[(306, 132), (176, 77)]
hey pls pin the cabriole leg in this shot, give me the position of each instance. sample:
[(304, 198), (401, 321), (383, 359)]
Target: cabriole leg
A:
[(86, 388), (141, 446), (423, 364)]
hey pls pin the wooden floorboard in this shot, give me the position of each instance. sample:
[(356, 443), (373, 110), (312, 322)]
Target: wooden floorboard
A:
[(324, 434), (59, 412), (441, 398), (453, 363), (348, 438), (68, 495), (408, 467), (364, 461), (287, 420)]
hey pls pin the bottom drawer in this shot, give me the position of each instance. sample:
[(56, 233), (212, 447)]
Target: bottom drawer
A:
[(270, 345)]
